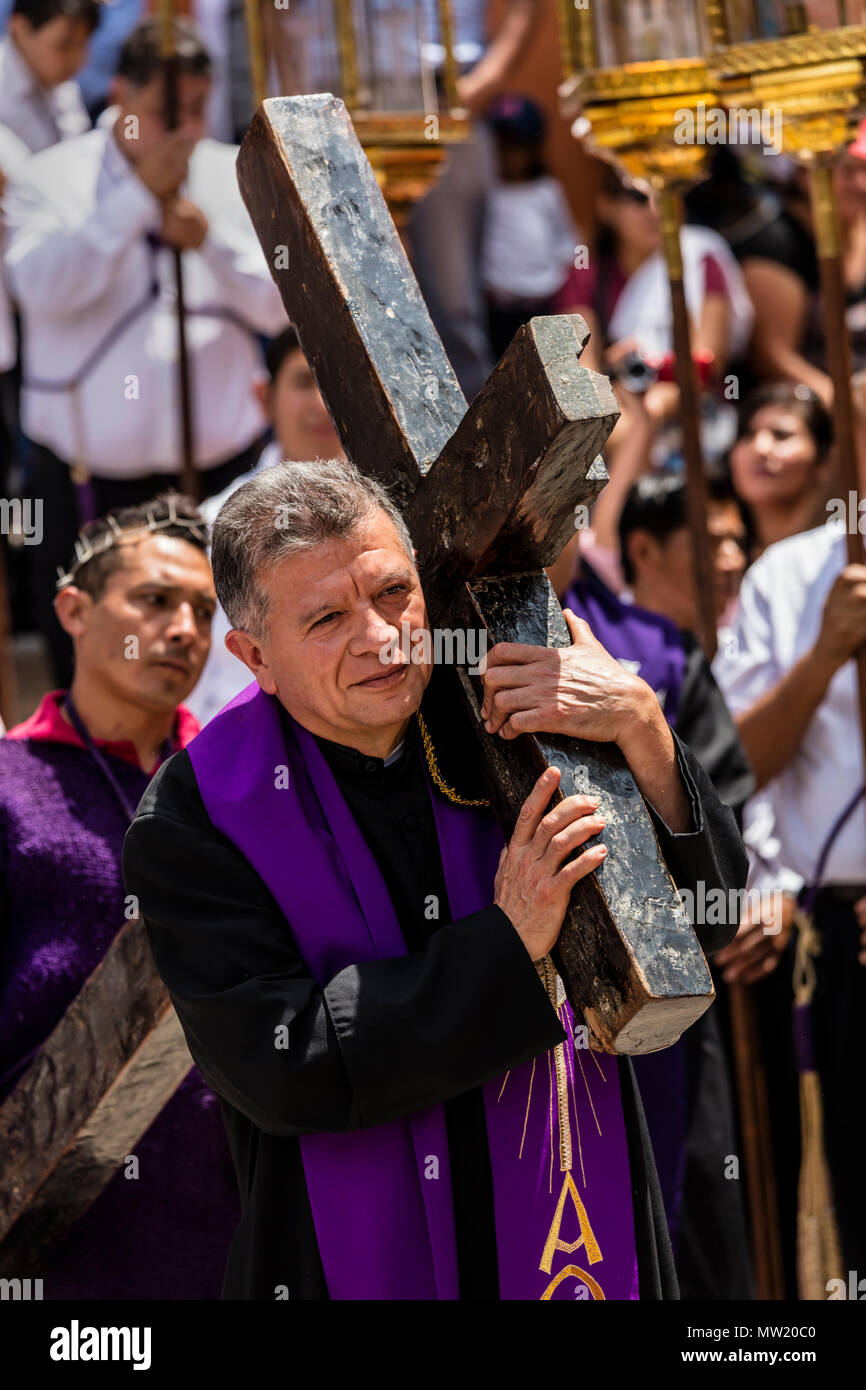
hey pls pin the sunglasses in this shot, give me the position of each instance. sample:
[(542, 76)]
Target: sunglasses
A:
[(632, 194)]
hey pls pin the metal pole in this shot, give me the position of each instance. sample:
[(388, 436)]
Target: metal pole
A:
[(190, 479), (752, 1100), (684, 371)]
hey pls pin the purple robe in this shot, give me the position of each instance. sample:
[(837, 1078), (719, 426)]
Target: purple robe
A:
[(166, 1233), (381, 1197)]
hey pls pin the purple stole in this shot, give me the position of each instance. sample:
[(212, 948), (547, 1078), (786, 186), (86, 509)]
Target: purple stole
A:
[(381, 1197), (637, 635)]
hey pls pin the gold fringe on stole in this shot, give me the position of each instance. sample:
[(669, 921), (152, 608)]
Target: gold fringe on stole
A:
[(819, 1257), (556, 995)]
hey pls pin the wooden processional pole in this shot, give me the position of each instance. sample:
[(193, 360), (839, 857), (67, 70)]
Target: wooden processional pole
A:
[(828, 245), (190, 480), (8, 684), (258, 56), (690, 420), (750, 1077)]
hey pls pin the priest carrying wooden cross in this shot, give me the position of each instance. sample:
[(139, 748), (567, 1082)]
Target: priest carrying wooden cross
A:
[(360, 965)]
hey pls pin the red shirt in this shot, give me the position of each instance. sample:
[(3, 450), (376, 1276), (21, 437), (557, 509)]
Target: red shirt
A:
[(47, 725)]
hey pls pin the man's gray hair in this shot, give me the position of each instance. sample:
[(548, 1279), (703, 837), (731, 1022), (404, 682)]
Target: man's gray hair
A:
[(291, 507)]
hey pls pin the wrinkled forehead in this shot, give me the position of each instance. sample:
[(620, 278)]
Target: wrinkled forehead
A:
[(359, 563)]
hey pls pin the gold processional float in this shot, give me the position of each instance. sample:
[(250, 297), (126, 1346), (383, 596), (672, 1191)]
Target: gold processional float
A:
[(653, 85), (395, 68)]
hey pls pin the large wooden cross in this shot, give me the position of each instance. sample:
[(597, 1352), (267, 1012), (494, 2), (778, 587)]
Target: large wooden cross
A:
[(489, 494)]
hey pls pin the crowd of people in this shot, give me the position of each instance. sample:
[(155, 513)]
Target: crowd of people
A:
[(92, 214)]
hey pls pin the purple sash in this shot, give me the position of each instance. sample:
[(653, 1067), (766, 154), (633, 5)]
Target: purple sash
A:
[(382, 1208)]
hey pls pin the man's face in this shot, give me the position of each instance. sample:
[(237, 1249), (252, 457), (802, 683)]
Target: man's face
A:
[(56, 50), (332, 609), (146, 106), (147, 637), (664, 569), (302, 425)]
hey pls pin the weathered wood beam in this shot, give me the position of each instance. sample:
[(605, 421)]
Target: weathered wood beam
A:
[(94, 1087), (489, 496)]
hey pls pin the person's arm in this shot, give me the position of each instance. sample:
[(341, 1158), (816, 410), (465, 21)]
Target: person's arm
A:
[(772, 728), (382, 1039), (627, 458), (236, 259), (56, 269), (564, 232), (705, 725), (648, 746), (713, 331), (781, 302), (582, 692), (14, 155), (710, 854), (510, 42)]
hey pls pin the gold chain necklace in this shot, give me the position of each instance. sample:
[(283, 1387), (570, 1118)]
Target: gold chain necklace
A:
[(433, 769)]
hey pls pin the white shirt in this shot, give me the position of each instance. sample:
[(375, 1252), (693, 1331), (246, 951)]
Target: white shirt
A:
[(224, 675), (78, 262), (39, 116), (778, 620), (529, 239), (13, 156)]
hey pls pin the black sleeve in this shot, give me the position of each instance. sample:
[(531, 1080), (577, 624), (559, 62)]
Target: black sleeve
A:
[(382, 1039), (711, 852), (705, 726)]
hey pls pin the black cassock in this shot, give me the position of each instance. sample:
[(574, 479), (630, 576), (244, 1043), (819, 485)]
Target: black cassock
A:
[(471, 991)]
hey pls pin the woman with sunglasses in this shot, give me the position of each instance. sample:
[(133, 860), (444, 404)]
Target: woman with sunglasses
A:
[(623, 294)]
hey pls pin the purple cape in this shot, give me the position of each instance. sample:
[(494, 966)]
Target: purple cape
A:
[(381, 1197)]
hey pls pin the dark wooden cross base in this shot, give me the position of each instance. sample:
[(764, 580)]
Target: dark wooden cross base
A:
[(489, 494)]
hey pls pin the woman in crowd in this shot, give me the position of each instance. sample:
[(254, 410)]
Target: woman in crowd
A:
[(529, 238), (780, 463), (781, 272), (623, 295)]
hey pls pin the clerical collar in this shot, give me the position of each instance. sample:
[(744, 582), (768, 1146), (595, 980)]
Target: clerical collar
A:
[(350, 760)]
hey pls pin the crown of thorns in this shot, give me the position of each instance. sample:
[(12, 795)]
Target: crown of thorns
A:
[(86, 549)]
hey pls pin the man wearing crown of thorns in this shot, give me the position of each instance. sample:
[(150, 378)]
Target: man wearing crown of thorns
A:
[(137, 601)]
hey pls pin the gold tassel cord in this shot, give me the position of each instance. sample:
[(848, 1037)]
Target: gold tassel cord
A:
[(556, 994), (433, 768)]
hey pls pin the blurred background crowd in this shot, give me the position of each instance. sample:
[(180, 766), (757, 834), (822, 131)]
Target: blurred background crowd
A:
[(521, 223)]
